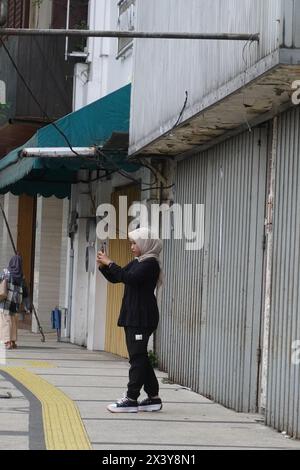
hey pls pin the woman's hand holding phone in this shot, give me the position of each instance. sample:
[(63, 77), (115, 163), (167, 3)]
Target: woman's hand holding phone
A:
[(103, 259)]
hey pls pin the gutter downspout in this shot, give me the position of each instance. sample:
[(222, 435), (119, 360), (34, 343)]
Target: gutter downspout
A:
[(70, 287), (269, 262), (67, 27)]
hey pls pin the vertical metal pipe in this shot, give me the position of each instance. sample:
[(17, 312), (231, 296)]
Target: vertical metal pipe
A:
[(67, 27), (269, 248), (70, 288)]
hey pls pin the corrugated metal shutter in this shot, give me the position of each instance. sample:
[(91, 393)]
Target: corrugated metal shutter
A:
[(211, 304), (119, 251), (233, 290), (283, 396), (178, 337)]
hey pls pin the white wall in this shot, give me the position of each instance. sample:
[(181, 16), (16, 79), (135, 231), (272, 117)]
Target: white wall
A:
[(103, 73), (64, 253), (98, 285), (80, 293), (89, 295), (48, 258), (88, 315)]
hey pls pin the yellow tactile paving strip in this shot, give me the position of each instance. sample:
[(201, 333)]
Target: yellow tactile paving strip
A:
[(32, 364), (62, 423)]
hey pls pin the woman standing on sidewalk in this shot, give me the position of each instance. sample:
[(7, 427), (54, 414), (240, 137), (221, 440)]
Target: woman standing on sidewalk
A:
[(10, 306), (139, 316)]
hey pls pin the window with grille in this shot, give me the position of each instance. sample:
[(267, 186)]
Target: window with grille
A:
[(78, 19), (126, 22)]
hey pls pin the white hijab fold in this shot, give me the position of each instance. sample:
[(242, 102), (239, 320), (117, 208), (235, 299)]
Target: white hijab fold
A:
[(149, 245)]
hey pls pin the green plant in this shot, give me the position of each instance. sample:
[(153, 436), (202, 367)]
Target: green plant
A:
[(37, 3), (153, 358), (81, 42), (3, 110)]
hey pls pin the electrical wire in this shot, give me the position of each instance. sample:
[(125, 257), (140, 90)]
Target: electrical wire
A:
[(169, 133), (140, 162), (126, 175), (159, 187), (248, 43), (44, 113), (100, 178), (182, 110)]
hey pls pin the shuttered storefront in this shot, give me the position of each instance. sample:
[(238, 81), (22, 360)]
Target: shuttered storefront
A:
[(283, 380), (211, 312)]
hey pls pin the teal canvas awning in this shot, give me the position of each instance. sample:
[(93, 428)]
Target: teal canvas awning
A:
[(92, 125)]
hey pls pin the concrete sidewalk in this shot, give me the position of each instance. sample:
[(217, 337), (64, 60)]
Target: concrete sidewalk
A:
[(188, 421)]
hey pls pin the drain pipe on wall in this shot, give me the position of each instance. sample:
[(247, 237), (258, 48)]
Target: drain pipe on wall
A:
[(70, 286), (269, 248), (72, 229)]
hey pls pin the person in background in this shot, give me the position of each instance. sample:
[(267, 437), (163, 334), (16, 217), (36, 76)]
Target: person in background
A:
[(10, 306), (139, 317)]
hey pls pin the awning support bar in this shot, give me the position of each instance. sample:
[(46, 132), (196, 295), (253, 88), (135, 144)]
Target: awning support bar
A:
[(128, 34)]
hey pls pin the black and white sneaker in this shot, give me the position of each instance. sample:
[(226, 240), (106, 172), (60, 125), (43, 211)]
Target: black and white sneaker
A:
[(124, 405), (150, 404)]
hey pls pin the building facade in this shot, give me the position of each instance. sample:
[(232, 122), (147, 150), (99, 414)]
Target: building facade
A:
[(218, 124), (99, 73), (224, 113)]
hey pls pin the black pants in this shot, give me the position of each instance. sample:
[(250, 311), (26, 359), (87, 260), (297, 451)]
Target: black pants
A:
[(141, 372)]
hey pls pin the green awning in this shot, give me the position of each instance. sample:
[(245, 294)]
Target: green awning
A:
[(92, 125)]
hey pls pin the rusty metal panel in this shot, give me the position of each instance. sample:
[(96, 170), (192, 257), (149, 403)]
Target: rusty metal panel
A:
[(283, 381), (211, 309)]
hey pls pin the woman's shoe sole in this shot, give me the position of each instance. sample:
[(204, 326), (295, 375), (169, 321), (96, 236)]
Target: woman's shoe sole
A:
[(122, 410), (150, 408)]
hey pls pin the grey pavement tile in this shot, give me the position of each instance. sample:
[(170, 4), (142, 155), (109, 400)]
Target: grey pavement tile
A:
[(188, 421), (192, 434), (171, 412), (121, 446), (14, 443), (90, 381)]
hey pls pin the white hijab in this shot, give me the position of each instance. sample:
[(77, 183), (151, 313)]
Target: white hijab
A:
[(149, 246)]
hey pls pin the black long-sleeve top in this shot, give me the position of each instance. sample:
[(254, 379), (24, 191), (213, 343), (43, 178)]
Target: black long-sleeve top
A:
[(139, 305)]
